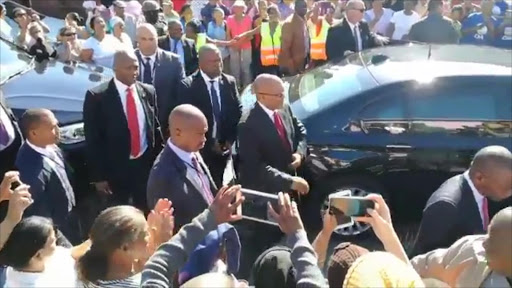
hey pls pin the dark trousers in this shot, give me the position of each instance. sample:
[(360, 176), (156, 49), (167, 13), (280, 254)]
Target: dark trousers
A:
[(216, 164), (134, 183), (255, 238)]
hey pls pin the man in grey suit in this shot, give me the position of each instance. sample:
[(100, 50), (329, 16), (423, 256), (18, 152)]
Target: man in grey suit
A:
[(159, 68), (435, 28), (179, 173)]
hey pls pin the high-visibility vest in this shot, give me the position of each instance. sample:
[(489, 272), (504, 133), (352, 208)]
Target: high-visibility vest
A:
[(270, 45), (200, 41), (317, 50)]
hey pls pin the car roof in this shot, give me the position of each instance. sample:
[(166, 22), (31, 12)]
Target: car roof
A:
[(51, 84)]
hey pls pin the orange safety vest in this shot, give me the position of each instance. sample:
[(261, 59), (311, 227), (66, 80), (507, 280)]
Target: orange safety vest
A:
[(270, 45), (317, 50)]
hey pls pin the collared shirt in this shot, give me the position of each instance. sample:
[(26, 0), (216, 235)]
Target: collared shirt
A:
[(187, 158), (359, 43), (216, 86), (479, 198), (141, 116), (179, 49), (6, 121), (269, 112), (152, 60)]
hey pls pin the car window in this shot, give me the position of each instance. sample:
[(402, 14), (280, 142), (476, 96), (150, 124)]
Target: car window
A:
[(385, 107), (455, 100)]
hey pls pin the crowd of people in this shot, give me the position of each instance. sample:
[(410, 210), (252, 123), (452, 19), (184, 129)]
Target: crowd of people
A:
[(277, 37), (168, 150)]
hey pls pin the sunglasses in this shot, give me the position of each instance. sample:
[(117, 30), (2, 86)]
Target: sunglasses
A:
[(20, 15), (360, 10), (69, 34)]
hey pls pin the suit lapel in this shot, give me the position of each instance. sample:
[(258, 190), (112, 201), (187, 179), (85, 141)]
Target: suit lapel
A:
[(347, 28), (116, 106), (266, 119), (288, 125), (470, 202), (213, 187), (141, 92)]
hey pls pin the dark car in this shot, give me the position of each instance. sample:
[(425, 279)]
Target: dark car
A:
[(400, 120), (54, 85)]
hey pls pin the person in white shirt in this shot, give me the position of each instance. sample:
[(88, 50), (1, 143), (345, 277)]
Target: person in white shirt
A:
[(378, 17), (101, 47), (118, 30), (402, 21), (34, 259)]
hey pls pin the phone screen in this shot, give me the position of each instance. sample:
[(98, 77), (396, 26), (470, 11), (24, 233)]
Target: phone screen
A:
[(352, 206), (255, 206)]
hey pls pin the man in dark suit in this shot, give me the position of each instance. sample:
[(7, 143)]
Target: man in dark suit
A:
[(351, 35), (122, 133), (176, 43), (159, 68), (460, 206), (42, 166), (179, 173), (216, 95), (435, 28), (272, 142), (10, 138)]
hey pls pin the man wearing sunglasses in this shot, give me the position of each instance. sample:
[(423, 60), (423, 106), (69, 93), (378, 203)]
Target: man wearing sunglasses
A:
[(351, 35)]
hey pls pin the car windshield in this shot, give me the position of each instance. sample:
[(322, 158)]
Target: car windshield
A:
[(10, 61), (327, 85)]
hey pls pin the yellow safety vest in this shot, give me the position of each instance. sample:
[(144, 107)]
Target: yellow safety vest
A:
[(317, 50), (200, 41), (270, 45)]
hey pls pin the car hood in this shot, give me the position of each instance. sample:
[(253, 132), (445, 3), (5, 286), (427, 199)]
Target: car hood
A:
[(56, 86)]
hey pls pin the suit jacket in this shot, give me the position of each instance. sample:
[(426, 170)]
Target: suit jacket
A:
[(450, 214), (442, 263), (53, 196), (292, 58), (170, 178), (106, 130), (264, 160), (189, 49), (435, 29), (193, 90), (168, 72), (340, 39)]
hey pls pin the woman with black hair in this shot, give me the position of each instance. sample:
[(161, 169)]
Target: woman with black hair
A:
[(33, 258), (100, 47)]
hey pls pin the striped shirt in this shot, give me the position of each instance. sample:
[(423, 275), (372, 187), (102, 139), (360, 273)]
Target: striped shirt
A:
[(130, 282)]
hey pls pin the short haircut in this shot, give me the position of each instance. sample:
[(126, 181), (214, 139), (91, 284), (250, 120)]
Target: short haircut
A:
[(174, 21), (31, 119), (491, 157), (433, 5), (207, 48), (351, 3), (148, 26), (195, 25)]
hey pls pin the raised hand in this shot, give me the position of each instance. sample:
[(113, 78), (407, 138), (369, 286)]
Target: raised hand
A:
[(288, 217), (160, 224), (225, 206), (10, 177), (19, 200), (380, 218)]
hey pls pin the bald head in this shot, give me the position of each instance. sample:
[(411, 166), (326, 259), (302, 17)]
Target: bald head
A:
[(187, 127), (146, 29), (211, 280), (269, 90), (210, 60), (502, 222), (126, 67), (498, 245), (147, 39), (122, 57), (492, 157), (207, 49)]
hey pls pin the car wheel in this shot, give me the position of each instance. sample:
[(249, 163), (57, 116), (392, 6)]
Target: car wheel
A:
[(360, 186)]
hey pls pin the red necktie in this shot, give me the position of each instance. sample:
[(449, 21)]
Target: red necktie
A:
[(207, 194), (485, 212), (281, 131), (133, 123)]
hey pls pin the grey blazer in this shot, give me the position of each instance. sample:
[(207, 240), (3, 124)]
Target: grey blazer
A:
[(168, 73)]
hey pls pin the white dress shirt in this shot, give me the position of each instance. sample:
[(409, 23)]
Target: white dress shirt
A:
[(187, 158), (217, 98), (152, 60), (6, 121), (479, 198), (141, 116), (269, 112), (359, 43)]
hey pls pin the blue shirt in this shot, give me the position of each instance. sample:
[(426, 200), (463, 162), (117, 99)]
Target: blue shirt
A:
[(504, 39), (480, 37), (503, 5), (218, 33), (179, 49)]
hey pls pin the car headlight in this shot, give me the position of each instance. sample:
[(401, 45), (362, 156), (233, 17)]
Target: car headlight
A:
[(72, 134)]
